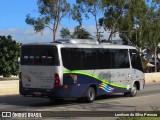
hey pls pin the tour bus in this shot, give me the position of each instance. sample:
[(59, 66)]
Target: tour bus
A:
[(75, 68)]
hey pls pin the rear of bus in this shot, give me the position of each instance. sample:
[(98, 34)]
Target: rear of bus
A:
[(39, 70)]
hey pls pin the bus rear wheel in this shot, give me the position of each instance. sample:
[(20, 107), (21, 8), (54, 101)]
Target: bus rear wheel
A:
[(133, 91), (91, 94)]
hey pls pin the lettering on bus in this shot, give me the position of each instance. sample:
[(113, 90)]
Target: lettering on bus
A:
[(41, 75), (109, 75), (37, 73)]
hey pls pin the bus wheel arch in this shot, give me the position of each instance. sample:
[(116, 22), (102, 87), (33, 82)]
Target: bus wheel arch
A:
[(134, 89), (137, 85), (95, 87)]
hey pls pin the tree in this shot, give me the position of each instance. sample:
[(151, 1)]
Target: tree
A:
[(112, 19), (76, 14), (80, 33), (65, 33), (152, 29), (145, 34), (137, 25), (51, 13), (137, 18), (87, 7), (124, 18), (9, 54)]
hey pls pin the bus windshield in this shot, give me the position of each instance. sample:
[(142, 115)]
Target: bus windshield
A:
[(39, 55)]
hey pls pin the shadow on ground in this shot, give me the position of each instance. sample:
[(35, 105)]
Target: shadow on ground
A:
[(18, 100)]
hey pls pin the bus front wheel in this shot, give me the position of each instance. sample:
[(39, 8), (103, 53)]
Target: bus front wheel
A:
[(133, 91), (91, 94)]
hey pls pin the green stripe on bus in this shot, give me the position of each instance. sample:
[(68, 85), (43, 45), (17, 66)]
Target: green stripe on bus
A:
[(94, 76)]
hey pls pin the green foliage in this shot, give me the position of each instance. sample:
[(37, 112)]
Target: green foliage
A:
[(138, 118), (151, 27), (9, 54), (113, 19), (80, 33), (138, 25), (76, 14), (51, 13), (85, 8), (65, 33), (137, 18)]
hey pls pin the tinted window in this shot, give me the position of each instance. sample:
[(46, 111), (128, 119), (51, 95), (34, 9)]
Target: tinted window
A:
[(113, 58), (72, 58), (120, 58), (39, 55), (104, 58), (136, 60), (79, 59), (87, 58)]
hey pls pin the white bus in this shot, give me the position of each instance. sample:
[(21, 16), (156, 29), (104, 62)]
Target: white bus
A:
[(79, 69)]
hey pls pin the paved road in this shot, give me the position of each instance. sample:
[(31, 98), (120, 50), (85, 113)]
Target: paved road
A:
[(145, 100)]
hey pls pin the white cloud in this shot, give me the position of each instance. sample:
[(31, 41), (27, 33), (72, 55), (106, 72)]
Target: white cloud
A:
[(28, 35), (92, 30)]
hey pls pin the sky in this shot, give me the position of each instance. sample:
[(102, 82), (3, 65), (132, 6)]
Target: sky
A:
[(12, 22)]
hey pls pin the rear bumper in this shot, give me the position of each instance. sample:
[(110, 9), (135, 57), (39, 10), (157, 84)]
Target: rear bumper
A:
[(38, 92)]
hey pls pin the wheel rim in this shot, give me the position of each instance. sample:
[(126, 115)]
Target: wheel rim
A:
[(91, 94), (134, 90)]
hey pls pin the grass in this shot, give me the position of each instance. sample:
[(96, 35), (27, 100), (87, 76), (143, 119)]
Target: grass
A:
[(139, 118)]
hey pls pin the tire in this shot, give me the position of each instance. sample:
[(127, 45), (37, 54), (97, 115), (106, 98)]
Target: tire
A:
[(133, 91), (91, 94)]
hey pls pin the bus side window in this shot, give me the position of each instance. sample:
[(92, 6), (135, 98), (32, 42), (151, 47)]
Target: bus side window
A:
[(136, 60), (120, 58), (71, 58)]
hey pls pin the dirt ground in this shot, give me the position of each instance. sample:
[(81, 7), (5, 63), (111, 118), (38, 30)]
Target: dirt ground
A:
[(9, 87), (151, 78)]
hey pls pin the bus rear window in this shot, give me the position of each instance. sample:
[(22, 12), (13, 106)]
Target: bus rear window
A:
[(39, 55)]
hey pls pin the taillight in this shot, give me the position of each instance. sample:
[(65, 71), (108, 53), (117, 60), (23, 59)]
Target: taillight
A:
[(56, 81)]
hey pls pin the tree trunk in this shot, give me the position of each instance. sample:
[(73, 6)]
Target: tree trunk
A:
[(155, 59), (109, 39), (54, 35), (97, 29)]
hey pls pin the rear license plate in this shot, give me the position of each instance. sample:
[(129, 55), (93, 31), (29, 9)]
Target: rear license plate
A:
[(37, 93)]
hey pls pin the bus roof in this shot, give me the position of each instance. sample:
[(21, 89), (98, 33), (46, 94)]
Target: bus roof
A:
[(70, 45)]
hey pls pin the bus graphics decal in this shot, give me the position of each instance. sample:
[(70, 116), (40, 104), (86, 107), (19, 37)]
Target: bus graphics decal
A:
[(97, 78), (106, 87)]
